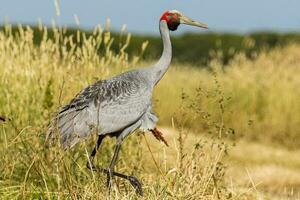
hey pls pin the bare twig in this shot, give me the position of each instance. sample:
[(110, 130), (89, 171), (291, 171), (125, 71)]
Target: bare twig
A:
[(154, 158)]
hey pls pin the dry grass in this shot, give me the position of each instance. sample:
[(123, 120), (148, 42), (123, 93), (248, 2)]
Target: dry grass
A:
[(253, 170), (36, 80), (264, 95)]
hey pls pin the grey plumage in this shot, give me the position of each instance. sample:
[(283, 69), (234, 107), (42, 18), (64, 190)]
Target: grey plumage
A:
[(110, 106), (118, 106), (107, 107)]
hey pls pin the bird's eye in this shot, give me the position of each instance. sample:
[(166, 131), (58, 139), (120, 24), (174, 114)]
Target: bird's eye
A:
[(172, 18)]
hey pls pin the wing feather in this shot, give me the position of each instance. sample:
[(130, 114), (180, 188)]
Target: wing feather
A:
[(113, 103)]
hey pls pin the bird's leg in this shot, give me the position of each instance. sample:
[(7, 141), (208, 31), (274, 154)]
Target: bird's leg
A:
[(159, 136), (133, 181), (110, 172), (90, 165)]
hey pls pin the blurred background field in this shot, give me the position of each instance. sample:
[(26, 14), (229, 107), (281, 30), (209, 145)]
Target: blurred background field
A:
[(205, 45)]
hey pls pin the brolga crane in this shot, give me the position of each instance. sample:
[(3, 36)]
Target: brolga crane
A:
[(118, 106)]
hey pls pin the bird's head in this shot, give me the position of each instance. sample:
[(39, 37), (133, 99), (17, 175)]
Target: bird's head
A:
[(174, 18)]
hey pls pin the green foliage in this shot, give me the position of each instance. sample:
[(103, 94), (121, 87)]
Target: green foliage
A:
[(200, 49), (205, 46)]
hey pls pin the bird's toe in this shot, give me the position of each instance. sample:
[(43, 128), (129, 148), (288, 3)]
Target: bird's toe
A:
[(136, 184)]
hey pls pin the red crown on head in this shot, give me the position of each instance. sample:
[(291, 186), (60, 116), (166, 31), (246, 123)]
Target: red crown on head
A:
[(172, 18), (164, 16)]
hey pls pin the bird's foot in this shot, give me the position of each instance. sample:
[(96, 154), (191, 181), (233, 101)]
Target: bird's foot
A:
[(110, 178), (136, 184), (133, 181)]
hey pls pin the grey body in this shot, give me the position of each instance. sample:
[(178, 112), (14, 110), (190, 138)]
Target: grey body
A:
[(117, 106)]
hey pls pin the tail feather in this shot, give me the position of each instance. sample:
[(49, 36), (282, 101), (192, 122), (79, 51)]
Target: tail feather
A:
[(71, 125), (63, 126)]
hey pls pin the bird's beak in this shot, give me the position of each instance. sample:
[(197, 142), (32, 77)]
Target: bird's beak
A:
[(189, 21)]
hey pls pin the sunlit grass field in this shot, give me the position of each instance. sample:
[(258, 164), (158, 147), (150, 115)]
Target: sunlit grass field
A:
[(262, 96), (231, 129)]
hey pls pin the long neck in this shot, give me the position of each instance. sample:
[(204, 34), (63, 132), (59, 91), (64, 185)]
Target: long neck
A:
[(160, 68)]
